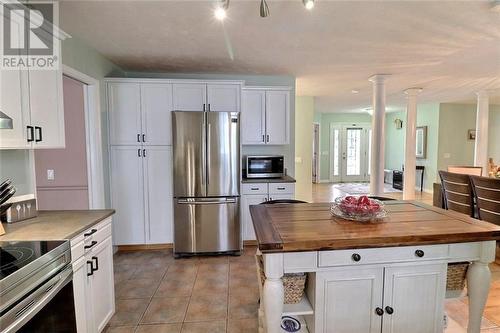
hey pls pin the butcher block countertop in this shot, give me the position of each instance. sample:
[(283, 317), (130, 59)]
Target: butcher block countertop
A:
[(54, 225), (311, 227)]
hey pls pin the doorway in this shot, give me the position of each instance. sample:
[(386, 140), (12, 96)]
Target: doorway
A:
[(315, 151), (350, 152)]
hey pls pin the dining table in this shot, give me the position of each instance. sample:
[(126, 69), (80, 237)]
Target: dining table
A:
[(385, 275)]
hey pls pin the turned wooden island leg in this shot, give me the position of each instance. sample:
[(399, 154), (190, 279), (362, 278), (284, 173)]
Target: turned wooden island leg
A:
[(273, 292), (478, 286)]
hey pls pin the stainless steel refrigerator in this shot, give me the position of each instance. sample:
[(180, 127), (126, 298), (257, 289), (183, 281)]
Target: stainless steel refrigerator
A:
[(206, 151)]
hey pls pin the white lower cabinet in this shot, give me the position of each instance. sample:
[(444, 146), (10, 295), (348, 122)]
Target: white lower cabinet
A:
[(141, 194), (376, 299), (257, 193), (93, 279)]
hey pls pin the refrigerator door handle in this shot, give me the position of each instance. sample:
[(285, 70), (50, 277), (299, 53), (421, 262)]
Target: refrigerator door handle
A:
[(204, 149), (209, 129), (206, 202)]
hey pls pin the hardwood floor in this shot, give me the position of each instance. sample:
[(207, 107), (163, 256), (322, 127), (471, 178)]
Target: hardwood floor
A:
[(457, 308)]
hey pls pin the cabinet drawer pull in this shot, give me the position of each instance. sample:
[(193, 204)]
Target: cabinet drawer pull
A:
[(93, 231), (38, 130), (389, 310), (379, 311), (30, 134), (356, 257), (89, 262), (419, 253), (92, 244), (254, 188), (281, 188)]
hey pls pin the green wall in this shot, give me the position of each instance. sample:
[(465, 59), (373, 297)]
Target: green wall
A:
[(427, 115), (304, 115), (454, 122)]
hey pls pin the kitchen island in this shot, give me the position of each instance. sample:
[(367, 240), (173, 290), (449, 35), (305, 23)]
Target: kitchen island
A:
[(385, 276)]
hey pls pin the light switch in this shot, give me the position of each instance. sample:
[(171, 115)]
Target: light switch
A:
[(50, 174), (298, 159)]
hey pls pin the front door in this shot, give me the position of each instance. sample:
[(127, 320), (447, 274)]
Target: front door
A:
[(355, 153)]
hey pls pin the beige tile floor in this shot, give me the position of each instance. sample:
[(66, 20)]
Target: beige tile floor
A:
[(156, 293)]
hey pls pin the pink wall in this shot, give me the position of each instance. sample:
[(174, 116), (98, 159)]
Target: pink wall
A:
[(69, 189)]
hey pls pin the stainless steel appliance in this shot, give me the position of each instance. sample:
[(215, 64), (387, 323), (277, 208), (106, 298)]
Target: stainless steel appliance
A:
[(206, 153), (269, 166), (36, 287)]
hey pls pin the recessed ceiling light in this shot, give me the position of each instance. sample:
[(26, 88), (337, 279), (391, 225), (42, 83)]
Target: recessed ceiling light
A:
[(355, 91), (309, 4), (220, 13)]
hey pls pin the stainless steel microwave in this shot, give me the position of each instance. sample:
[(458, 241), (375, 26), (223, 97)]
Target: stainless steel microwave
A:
[(268, 166)]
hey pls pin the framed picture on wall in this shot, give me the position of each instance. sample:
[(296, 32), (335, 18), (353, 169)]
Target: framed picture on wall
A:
[(421, 151), (471, 135)]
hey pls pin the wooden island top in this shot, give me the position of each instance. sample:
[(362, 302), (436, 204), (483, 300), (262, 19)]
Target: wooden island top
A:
[(311, 227)]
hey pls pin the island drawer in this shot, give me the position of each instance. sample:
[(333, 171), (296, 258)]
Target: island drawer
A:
[(254, 188), (382, 255), (278, 188)]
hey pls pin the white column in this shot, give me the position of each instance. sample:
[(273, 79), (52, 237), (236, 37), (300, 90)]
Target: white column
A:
[(273, 292), (410, 144), (481, 147), (377, 162)]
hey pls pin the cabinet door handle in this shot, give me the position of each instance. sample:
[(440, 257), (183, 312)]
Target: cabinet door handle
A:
[(93, 231), (379, 311), (204, 107), (92, 244), (30, 134), (96, 264), (263, 138), (89, 262), (144, 138), (139, 152), (419, 253), (389, 310), (138, 138), (38, 130), (208, 106), (268, 138), (144, 153)]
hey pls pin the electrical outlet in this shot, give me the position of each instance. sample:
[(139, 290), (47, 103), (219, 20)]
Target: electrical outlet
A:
[(446, 155), (50, 174)]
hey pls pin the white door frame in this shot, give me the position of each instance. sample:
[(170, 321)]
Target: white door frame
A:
[(318, 152), (92, 100)]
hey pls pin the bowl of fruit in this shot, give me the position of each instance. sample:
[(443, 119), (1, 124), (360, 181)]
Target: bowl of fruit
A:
[(360, 208)]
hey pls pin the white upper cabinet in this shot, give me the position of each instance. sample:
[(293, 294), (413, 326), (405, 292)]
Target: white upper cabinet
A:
[(277, 117), (253, 117), (33, 98), (156, 108), (124, 113), (190, 97), (223, 97), (265, 116)]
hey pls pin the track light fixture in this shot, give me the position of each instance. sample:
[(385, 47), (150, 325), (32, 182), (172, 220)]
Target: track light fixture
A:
[(220, 9), (264, 9), (309, 4)]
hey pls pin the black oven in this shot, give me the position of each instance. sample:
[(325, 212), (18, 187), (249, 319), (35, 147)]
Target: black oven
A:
[(270, 166)]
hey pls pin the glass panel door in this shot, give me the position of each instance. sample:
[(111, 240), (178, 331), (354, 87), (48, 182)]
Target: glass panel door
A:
[(355, 153), (335, 152)]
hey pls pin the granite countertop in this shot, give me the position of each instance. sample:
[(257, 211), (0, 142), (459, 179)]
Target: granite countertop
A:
[(54, 225), (284, 179)]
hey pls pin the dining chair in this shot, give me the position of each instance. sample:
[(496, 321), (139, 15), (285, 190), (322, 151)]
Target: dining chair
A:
[(487, 193), (457, 192), (466, 170)]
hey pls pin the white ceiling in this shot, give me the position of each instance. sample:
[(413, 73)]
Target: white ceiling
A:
[(449, 48)]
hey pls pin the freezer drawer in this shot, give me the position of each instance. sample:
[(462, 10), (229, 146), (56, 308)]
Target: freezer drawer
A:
[(203, 225)]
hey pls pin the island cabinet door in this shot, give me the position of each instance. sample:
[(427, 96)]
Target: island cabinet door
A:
[(246, 219), (347, 300), (413, 298)]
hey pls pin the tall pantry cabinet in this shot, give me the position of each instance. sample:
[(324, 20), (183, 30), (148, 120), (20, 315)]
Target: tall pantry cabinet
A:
[(141, 161)]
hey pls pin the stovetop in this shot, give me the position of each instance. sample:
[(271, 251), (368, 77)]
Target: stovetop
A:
[(16, 255)]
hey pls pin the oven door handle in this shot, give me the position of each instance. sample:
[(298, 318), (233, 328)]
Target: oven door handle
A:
[(31, 305)]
